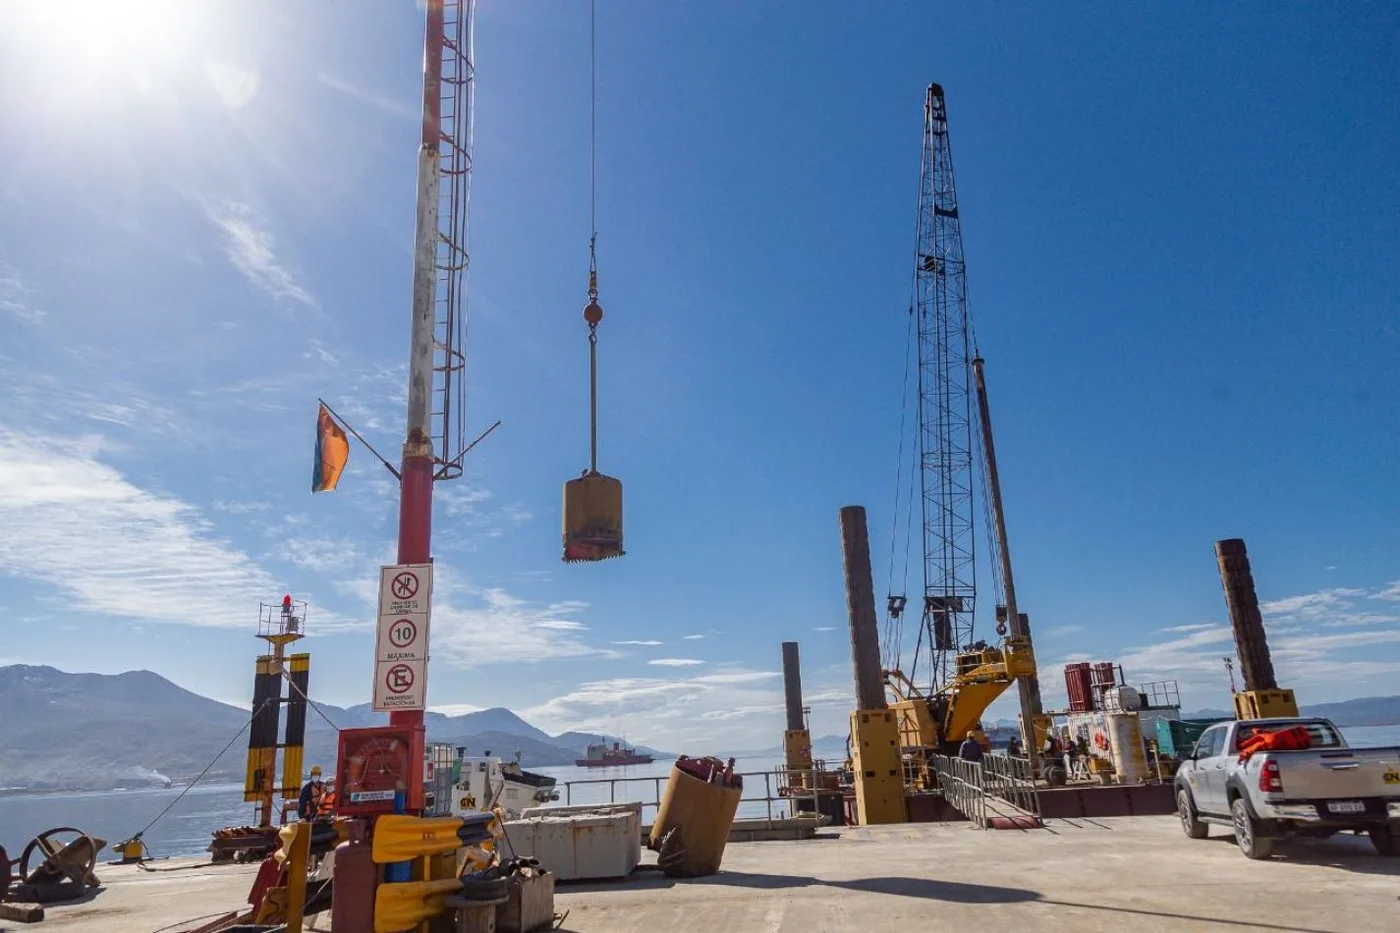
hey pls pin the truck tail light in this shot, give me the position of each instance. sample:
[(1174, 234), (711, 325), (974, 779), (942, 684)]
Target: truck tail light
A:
[(1269, 779)]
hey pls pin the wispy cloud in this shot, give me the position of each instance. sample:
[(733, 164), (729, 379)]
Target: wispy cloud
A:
[(1335, 637), (316, 350), (633, 641), (252, 250), (675, 662), (15, 295), (1337, 607), (479, 627), (456, 709), (381, 101), (333, 557), (1312, 605), (480, 517), (1193, 627), (824, 628), (692, 637), (735, 677), (678, 713), (77, 525), (1193, 658), (240, 508)]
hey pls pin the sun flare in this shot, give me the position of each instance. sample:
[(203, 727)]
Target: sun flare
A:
[(107, 39)]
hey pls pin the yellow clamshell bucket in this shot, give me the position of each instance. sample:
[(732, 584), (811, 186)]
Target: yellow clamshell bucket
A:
[(592, 518)]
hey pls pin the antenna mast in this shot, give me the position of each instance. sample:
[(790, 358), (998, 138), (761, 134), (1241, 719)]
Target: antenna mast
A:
[(434, 442)]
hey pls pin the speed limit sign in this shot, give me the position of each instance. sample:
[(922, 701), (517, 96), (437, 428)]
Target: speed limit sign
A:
[(403, 638)]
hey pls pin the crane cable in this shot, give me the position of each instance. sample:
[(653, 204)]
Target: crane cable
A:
[(894, 625), (190, 786), (593, 313)]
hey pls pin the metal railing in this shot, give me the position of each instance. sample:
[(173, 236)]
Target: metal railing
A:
[(1010, 779), (967, 785), (961, 784), (781, 791)]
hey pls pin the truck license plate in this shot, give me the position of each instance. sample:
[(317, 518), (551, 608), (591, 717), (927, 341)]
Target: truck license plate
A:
[(1346, 806)]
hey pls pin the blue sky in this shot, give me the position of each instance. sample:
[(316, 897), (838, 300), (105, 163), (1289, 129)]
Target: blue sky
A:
[(1182, 233)]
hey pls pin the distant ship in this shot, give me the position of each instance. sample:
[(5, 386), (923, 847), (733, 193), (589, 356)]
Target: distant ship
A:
[(603, 756)]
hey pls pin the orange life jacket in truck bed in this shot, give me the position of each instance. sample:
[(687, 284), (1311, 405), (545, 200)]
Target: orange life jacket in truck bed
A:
[(1292, 738)]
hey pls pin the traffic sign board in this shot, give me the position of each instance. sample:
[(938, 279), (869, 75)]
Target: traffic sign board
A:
[(399, 684), (402, 638), (403, 632), (399, 679), (401, 648), (405, 589)]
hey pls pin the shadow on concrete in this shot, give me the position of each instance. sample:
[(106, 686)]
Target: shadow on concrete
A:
[(935, 890), (1203, 923), (1344, 852), (926, 888)]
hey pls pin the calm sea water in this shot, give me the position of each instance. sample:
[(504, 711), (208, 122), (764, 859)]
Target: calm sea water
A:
[(115, 815), (185, 830)]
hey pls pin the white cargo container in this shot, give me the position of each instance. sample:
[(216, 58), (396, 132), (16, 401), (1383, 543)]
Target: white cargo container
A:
[(634, 809), (579, 845)]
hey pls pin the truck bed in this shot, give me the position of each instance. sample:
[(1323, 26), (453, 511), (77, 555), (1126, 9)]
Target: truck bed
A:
[(1333, 773)]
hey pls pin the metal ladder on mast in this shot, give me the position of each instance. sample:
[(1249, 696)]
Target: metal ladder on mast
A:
[(450, 311)]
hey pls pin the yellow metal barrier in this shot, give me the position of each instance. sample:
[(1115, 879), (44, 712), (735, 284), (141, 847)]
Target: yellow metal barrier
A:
[(440, 847), (404, 905), (404, 838)]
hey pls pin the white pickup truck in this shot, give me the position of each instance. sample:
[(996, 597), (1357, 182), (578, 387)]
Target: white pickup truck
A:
[(1318, 791)]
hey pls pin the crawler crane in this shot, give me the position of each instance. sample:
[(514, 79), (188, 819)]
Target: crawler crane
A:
[(963, 676)]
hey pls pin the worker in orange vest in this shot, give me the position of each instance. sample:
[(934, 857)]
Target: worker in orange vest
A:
[(325, 810)]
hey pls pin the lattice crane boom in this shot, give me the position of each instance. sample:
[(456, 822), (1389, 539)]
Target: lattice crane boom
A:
[(939, 705), (946, 469)]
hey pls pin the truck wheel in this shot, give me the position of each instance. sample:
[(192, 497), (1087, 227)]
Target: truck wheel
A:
[(1383, 838), (1247, 835), (1186, 809)]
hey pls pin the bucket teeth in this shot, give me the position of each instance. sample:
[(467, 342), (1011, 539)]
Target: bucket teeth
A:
[(593, 560)]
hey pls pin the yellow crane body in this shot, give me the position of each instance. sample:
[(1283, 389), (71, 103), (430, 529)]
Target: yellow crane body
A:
[(938, 723)]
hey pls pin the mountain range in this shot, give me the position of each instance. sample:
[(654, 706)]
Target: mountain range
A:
[(1363, 711), (67, 731), (101, 731)]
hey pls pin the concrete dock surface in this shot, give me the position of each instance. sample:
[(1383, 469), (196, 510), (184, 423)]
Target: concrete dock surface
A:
[(1137, 873), (1134, 873)]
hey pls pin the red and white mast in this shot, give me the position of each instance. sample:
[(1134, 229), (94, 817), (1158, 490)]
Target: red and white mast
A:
[(434, 439)]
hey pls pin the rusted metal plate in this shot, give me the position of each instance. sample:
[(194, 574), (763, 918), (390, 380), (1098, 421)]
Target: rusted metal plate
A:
[(1112, 800), (930, 808)]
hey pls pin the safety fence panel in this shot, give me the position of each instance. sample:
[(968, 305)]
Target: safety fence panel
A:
[(1011, 780), (766, 795), (961, 784)]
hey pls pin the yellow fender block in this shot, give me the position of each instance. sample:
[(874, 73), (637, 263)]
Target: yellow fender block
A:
[(402, 906), (403, 838)]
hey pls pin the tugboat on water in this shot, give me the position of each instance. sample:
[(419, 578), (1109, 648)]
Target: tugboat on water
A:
[(604, 756)]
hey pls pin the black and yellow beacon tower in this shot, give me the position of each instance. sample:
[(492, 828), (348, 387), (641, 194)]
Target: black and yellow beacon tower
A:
[(279, 626)]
